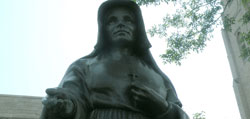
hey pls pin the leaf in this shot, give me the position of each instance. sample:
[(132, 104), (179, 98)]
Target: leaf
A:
[(191, 26)]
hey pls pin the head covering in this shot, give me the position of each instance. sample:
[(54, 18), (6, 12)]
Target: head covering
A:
[(141, 41)]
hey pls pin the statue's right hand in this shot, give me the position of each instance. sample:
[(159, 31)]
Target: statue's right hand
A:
[(58, 103)]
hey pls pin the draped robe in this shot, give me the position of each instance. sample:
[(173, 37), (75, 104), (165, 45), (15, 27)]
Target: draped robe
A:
[(99, 88)]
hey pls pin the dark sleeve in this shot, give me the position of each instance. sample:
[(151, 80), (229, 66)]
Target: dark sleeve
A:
[(174, 110), (75, 88)]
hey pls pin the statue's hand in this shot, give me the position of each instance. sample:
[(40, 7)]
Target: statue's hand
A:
[(147, 100), (58, 104)]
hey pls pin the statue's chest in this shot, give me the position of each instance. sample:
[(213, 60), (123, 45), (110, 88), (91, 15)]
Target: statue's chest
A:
[(119, 74)]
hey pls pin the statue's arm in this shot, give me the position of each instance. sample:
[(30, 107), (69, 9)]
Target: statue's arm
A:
[(174, 110), (75, 90)]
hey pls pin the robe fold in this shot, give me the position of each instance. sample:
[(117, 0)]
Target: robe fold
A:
[(99, 89)]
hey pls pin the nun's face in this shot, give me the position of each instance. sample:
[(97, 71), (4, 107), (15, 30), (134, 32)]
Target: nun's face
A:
[(120, 25)]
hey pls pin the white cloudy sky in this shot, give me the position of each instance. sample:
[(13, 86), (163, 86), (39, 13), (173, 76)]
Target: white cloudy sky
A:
[(39, 39)]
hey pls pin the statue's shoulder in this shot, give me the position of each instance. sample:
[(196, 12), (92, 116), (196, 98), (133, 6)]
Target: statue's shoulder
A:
[(80, 62), (83, 62)]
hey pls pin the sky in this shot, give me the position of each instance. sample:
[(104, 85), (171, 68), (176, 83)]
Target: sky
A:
[(39, 39)]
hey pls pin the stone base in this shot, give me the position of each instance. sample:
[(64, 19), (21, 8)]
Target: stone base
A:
[(20, 107)]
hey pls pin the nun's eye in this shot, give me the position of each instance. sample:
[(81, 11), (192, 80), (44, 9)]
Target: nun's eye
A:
[(128, 19), (112, 20)]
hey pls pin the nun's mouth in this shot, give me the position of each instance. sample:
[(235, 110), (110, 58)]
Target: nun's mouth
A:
[(121, 31)]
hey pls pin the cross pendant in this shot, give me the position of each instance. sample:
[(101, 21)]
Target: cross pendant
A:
[(132, 76)]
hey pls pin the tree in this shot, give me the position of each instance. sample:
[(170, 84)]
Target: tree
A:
[(199, 115), (191, 26)]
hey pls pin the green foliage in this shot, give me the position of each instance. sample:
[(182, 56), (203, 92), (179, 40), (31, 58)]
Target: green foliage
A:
[(152, 2), (191, 26), (245, 2), (245, 18), (245, 47), (244, 38), (228, 22), (199, 115)]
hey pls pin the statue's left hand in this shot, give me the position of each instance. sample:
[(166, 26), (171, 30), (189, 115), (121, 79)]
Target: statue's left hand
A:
[(148, 100)]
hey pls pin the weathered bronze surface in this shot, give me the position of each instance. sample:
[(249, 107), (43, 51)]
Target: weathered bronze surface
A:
[(119, 79)]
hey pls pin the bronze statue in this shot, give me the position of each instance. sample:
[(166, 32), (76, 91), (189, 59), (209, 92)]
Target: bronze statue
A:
[(119, 79)]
